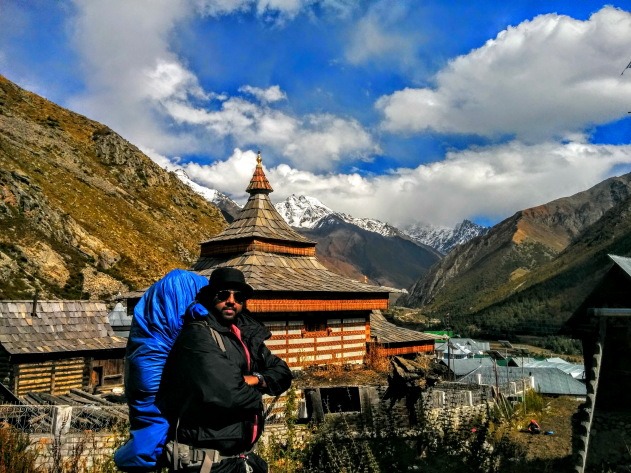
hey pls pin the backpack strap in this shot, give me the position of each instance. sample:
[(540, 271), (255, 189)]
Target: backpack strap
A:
[(218, 338), (216, 335)]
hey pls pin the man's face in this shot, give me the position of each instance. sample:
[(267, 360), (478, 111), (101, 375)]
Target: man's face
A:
[(227, 305)]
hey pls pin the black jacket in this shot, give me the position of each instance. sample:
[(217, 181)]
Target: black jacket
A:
[(203, 386)]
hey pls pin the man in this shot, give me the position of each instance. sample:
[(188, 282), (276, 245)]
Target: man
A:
[(214, 378), (533, 427)]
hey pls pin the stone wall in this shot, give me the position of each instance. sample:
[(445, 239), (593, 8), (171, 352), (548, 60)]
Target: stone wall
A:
[(89, 449), (439, 409)]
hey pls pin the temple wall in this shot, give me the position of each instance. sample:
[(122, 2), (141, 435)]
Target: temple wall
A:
[(336, 340)]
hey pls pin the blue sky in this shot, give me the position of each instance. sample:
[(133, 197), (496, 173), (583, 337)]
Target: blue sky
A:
[(399, 110)]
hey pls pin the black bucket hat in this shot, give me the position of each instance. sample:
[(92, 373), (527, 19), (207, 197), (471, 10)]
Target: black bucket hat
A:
[(229, 278)]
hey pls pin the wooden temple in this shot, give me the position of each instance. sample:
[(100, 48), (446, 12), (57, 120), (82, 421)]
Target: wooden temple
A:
[(316, 316)]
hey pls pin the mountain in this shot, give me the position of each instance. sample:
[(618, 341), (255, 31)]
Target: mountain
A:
[(444, 239), (228, 207), (358, 247), (83, 212), (530, 249), (305, 212), (367, 255)]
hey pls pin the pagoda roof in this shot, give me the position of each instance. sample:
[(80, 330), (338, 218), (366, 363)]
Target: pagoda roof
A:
[(274, 272), (274, 257), (259, 219)]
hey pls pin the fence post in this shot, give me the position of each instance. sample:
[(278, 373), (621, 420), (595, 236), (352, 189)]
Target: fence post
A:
[(468, 398), (62, 415)]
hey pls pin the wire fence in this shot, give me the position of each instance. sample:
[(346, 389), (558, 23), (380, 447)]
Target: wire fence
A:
[(69, 438)]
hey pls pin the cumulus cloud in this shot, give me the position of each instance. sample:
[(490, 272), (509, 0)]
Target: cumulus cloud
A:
[(315, 142), (542, 79), (147, 92), (490, 182)]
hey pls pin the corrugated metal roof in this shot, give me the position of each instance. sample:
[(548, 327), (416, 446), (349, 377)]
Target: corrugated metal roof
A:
[(56, 326), (575, 370), (464, 346), (464, 366), (623, 262), (386, 332), (550, 381)]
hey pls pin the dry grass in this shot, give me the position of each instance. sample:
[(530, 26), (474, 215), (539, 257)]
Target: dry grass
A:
[(549, 451)]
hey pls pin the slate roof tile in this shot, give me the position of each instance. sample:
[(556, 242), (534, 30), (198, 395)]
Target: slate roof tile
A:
[(58, 326)]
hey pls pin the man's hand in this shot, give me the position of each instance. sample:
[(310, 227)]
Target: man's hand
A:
[(255, 379), (251, 380)]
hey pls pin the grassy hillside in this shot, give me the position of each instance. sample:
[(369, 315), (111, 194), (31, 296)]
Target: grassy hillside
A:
[(83, 212), (540, 302)]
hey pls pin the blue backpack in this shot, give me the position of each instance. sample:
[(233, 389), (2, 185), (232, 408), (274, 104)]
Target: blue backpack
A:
[(158, 319)]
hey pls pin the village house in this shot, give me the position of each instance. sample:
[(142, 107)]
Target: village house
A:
[(603, 324), (461, 348), (55, 346)]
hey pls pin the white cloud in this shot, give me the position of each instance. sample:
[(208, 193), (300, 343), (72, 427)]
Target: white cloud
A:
[(315, 142), (269, 95), (284, 9), (491, 182), (170, 81), (139, 87), (542, 79)]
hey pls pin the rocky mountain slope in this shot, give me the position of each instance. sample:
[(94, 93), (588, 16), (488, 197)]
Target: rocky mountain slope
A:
[(83, 212), (444, 239), (359, 247), (526, 250), (350, 250), (306, 212)]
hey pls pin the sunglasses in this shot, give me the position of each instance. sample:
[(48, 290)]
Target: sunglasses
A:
[(224, 295)]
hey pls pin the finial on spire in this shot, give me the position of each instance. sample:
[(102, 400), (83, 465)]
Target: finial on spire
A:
[(259, 183)]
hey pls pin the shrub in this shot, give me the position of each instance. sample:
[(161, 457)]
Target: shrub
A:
[(15, 455)]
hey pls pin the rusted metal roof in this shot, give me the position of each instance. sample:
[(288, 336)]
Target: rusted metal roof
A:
[(386, 332), (56, 326)]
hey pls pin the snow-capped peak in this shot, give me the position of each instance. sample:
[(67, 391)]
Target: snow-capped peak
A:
[(211, 195), (302, 211), (307, 212), (444, 239)]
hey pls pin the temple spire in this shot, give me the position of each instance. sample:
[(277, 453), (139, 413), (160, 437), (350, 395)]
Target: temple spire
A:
[(259, 183)]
